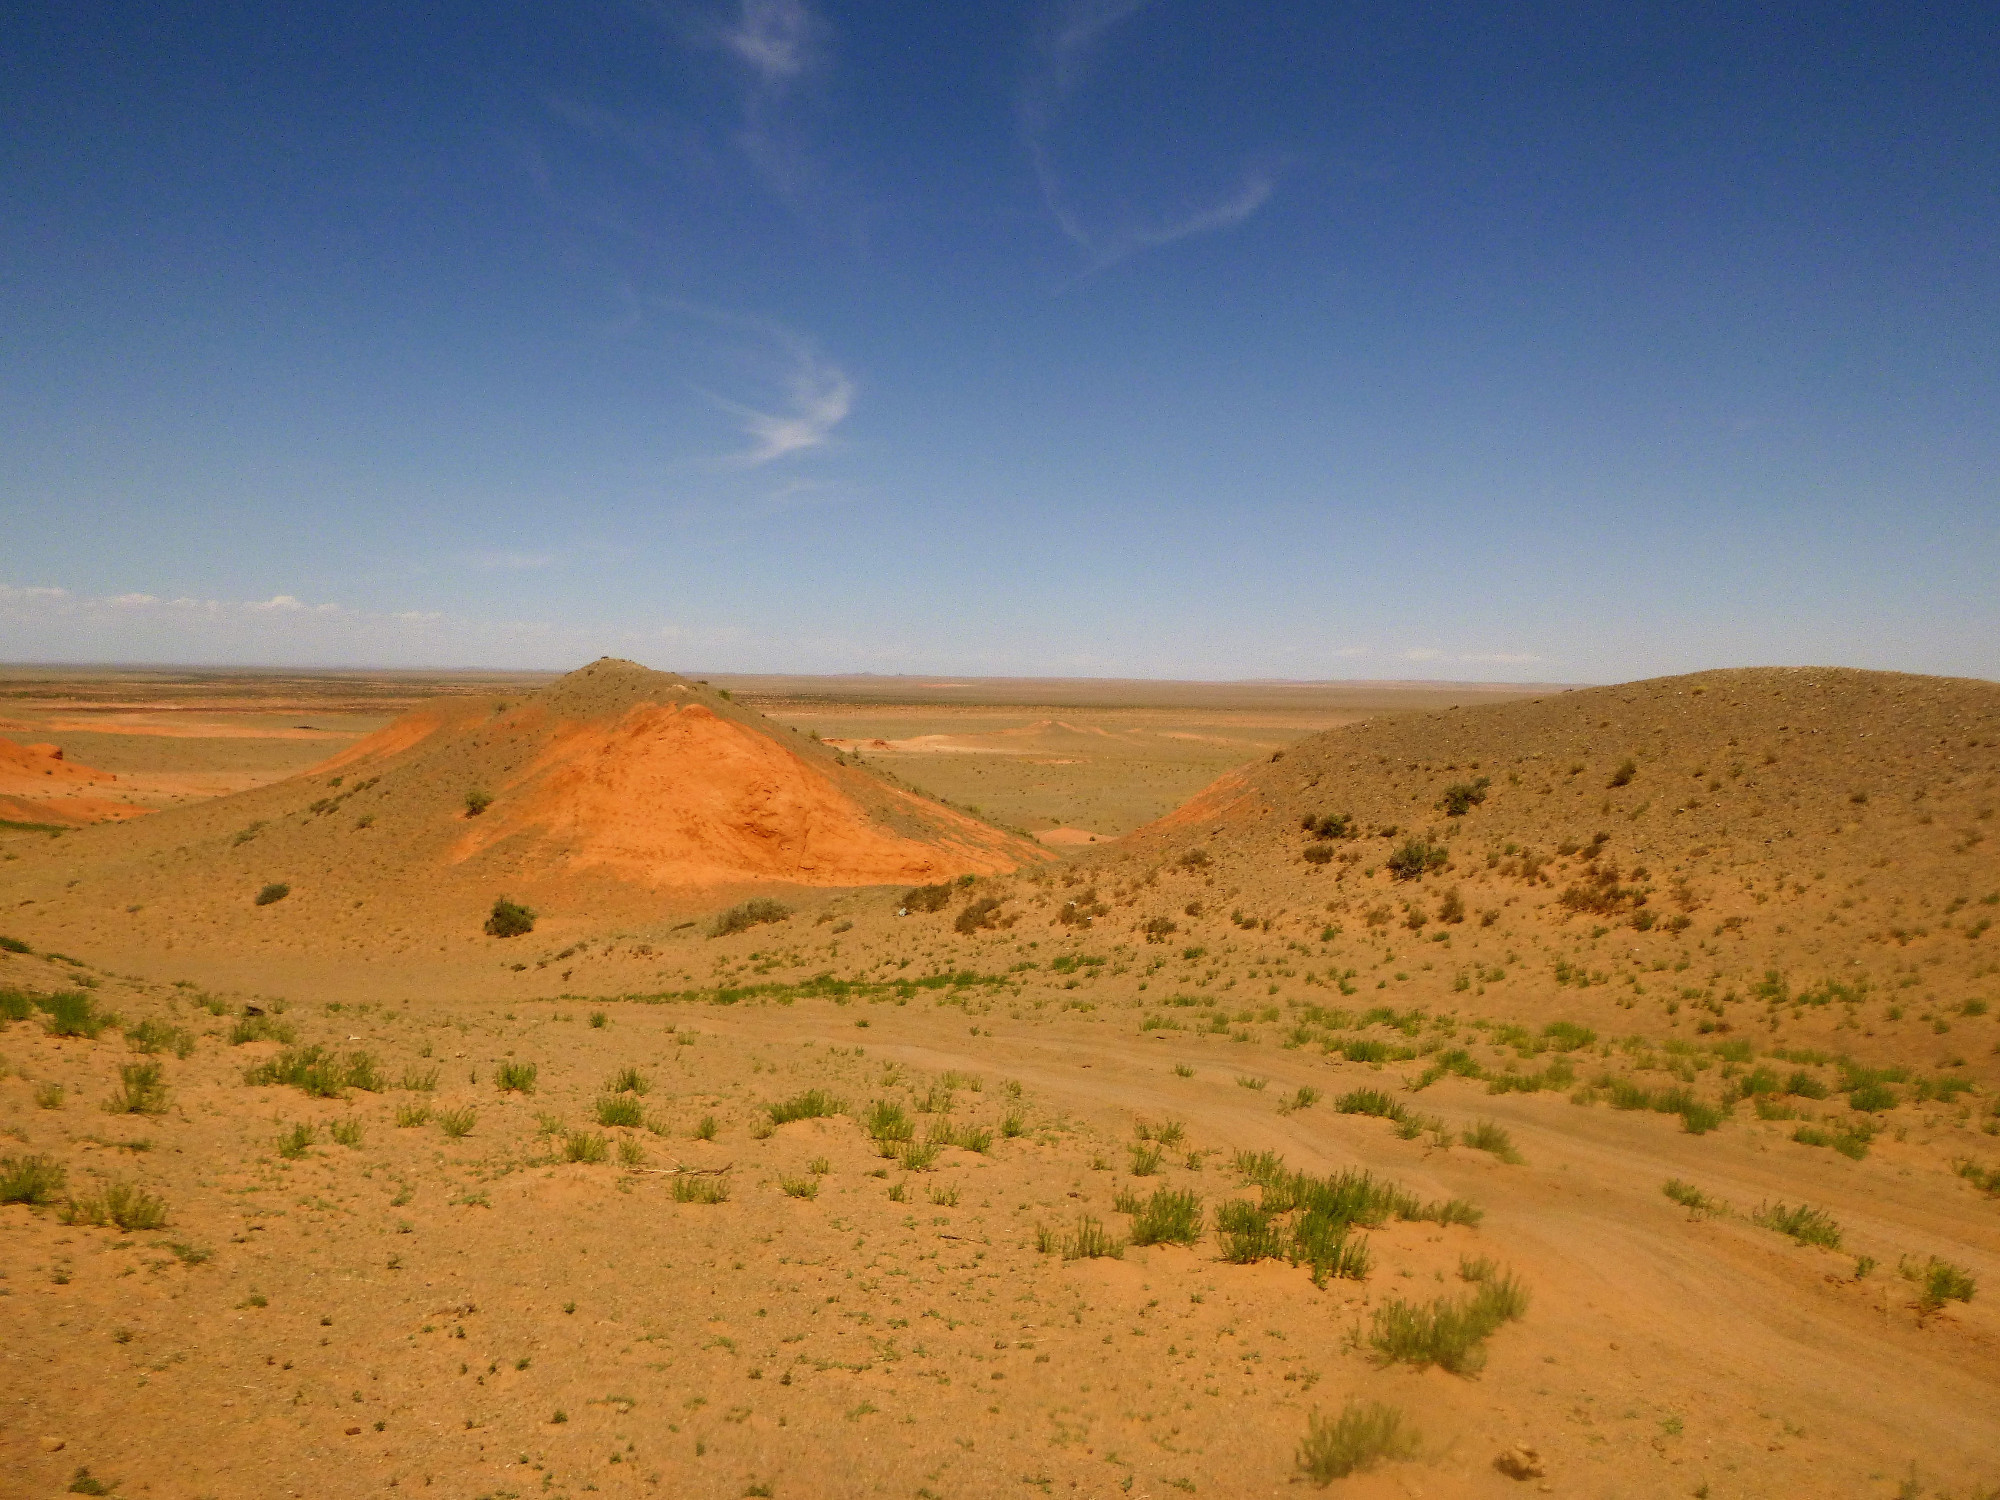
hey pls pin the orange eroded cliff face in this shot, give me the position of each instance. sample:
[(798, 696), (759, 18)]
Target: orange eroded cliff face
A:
[(672, 794)]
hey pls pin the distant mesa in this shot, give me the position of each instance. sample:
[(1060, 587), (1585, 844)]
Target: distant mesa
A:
[(38, 784)]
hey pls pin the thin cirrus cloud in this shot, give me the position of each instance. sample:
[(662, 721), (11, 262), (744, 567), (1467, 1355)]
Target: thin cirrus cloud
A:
[(816, 395), (1072, 35)]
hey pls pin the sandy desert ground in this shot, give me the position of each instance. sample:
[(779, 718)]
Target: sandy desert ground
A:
[(1663, 1021)]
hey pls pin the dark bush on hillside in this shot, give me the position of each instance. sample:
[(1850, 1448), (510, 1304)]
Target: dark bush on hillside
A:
[(1318, 854), (978, 914), (14, 945), (509, 919), (1331, 826), (1417, 857), (928, 897), (741, 918), (1462, 796), (1627, 769), (277, 890), (1452, 907), (477, 803)]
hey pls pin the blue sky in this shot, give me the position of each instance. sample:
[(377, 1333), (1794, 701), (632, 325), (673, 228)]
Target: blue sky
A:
[(1104, 337)]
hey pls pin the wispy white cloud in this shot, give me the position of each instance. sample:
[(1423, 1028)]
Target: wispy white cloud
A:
[(1071, 34), (816, 395), (774, 38)]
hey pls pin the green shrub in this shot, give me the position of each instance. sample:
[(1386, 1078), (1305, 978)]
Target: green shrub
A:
[(689, 1188), (1938, 1282), (1691, 1198), (813, 1104), (620, 1109), (1489, 1137), (15, 1005), (630, 1081), (1249, 1232), (1873, 1098), (276, 891), (119, 1205), (1168, 1218), (585, 1146), (1089, 1241), (409, 1116), (14, 945), (1627, 769), (1462, 796), (516, 1077), (151, 1036), (1363, 1435), (476, 802), (1417, 857), (806, 1187), (293, 1143), (315, 1071), (1369, 1102), (1807, 1225), (142, 1090), (72, 1013), (1449, 1332), (509, 919), (928, 897), (31, 1179), (888, 1126), (457, 1123), (420, 1080), (745, 915), (260, 1028)]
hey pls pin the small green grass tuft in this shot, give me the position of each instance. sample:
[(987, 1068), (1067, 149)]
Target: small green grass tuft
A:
[(409, 1116), (260, 1028), (813, 1104), (806, 1187), (1938, 1282), (1362, 1436), (692, 1189), (509, 919), (1169, 1217), (516, 1077), (621, 1109), (1807, 1225), (748, 914), (294, 1143), (142, 1090), (585, 1146), (151, 1036), (346, 1132), (1692, 1198), (1088, 1240), (1489, 1137), (705, 1128), (630, 1081), (71, 1013), (457, 1123)]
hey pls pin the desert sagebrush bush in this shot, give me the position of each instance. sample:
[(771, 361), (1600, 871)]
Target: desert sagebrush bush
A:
[(1807, 1225), (346, 1132), (509, 919), (918, 1156), (928, 897), (630, 1152), (813, 1104), (260, 1028), (142, 1090), (276, 891), (630, 1081), (799, 1187), (71, 1013), (457, 1123), (692, 1189), (151, 1036), (1145, 1159), (1449, 1332), (586, 1146), (888, 1126), (315, 1071), (120, 1205), (1938, 1282), (31, 1179), (1415, 858), (295, 1142), (408, 1116), (1369, 1102), (516, 1077), (704, 1128), (1691, 1198), (1363, 1435), (620, 1109), (1169, 1217), (748, 914), (1489, 1137), (420, 1080)]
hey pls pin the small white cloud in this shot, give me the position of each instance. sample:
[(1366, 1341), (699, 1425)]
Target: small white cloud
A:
[(774, 37), (132, 601), (278, 604)]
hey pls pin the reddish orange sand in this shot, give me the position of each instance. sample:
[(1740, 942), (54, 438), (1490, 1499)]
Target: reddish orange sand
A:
[(37, 785)]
